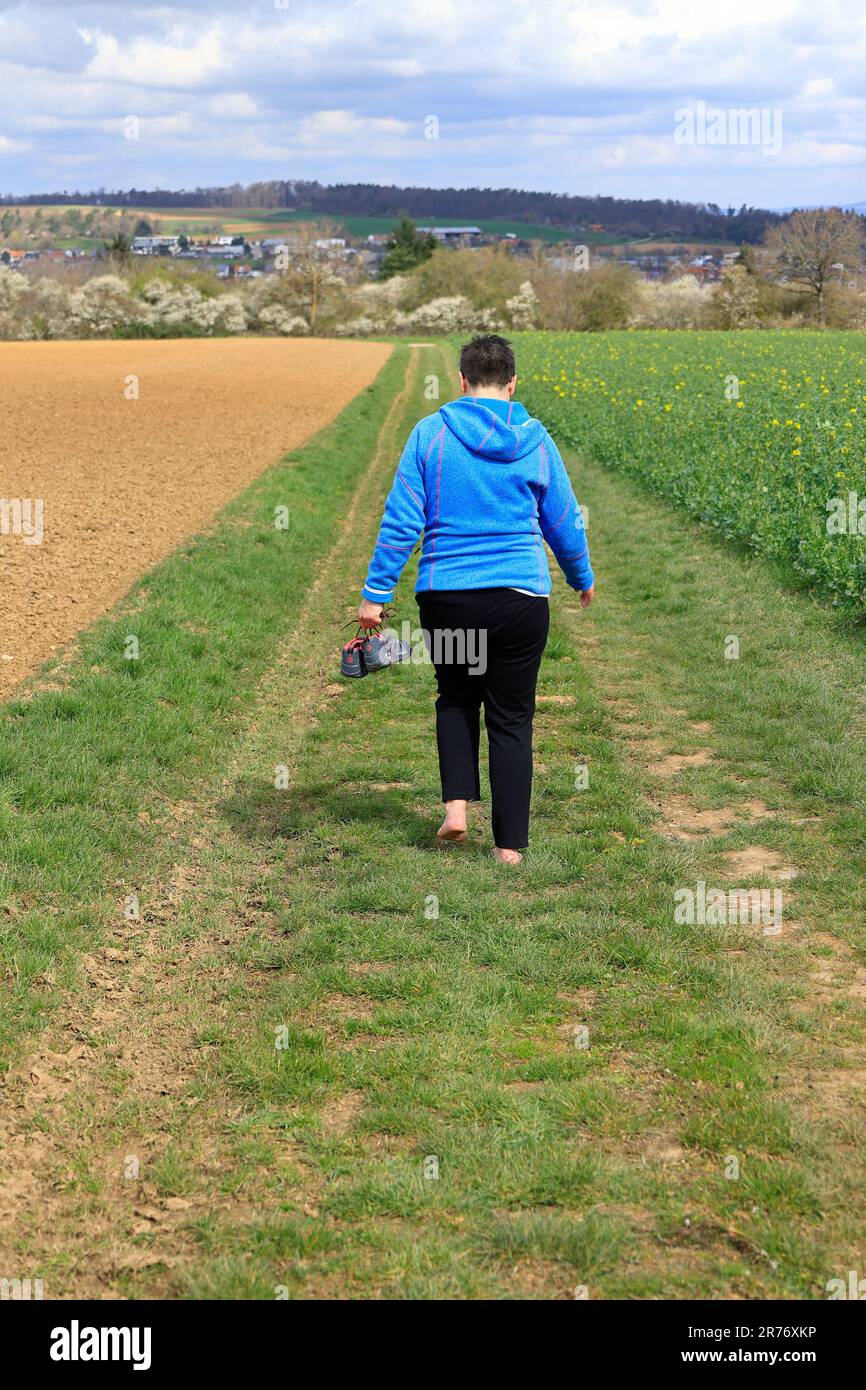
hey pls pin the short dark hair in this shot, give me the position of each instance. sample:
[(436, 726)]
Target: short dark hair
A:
[(488, 360)]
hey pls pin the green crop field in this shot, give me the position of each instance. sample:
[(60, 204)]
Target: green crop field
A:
[(759, 435)]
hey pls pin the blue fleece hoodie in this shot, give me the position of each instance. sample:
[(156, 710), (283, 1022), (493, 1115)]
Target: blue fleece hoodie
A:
[(485, 482)]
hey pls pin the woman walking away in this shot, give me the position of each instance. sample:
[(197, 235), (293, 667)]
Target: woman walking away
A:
[(484, 482)]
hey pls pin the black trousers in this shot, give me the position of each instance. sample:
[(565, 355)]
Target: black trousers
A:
[(499, 635)]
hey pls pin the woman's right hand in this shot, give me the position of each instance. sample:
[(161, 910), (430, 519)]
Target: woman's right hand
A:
[(370, 614), (586, 596)]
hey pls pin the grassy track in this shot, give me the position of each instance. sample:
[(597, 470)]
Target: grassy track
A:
[(344, 1058)]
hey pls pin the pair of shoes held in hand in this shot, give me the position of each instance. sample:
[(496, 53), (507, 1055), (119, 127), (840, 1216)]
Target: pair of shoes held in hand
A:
[(374, 652)]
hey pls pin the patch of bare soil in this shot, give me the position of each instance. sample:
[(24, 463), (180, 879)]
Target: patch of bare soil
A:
[(625, 708), (338, 1007), (543, 1279), (756, 861), (834, 979), (338, 1116), (123, 480), (663, 1149), (834, 1094), (672, 763), (681, 819), (581, 1000)]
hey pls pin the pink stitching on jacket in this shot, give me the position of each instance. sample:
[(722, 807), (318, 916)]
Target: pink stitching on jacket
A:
[(433, 441), (409, 490), (487, 435), (436, 517)]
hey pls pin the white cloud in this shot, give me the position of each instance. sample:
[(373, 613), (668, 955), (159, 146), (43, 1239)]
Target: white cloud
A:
[(149, 63), (233, 106), (640, 150), (818, 87)]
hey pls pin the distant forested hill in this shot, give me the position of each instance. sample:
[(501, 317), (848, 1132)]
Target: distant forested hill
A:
[(630, 217)]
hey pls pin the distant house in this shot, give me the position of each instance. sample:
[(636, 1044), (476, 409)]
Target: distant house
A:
[(702, 273), (154, 245), (222, 250), (456, 236)]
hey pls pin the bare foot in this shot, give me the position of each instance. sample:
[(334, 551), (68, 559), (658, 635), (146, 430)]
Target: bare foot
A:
[(454, 825), (507, 856)]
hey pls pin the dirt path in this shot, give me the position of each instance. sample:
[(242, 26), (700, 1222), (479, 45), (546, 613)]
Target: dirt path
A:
[(131, 446)]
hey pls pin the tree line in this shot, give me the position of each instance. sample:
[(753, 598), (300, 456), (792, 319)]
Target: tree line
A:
[(629, 217)]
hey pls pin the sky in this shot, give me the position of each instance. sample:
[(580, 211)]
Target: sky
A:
[(629, 99)]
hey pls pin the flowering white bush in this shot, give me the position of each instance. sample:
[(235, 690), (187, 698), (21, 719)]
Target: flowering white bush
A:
[(378, 302), (379, 298), (523, 306), (13, 289), (48, 312), (232, 314), (362, 327), (98, 307), (282, 320), (735, 300), (172, 305), (678, 303), (452, 313), (277, 304)]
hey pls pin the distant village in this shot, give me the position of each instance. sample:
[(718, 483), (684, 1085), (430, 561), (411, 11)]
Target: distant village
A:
[(240, 257)]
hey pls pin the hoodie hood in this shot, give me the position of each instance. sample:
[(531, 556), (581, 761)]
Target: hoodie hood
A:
[(501, 430)]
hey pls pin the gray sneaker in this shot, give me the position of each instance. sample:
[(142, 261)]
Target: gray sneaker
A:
[(376, 652), (351, 660), (399, 650)]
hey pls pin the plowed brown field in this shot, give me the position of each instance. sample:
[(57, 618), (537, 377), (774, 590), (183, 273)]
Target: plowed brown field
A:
[(124, 480)]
